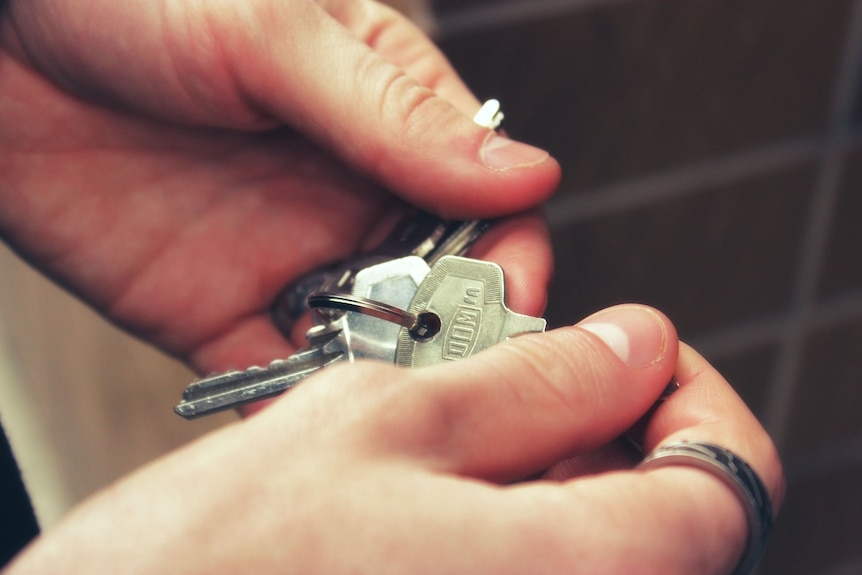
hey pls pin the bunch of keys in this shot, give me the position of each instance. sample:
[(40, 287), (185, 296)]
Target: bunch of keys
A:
[(413, 301)]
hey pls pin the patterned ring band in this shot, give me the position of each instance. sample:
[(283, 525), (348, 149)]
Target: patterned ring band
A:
[(738, 475)]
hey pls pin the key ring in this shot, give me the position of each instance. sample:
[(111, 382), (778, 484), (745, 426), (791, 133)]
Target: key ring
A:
[(422, 326), (420, 234)]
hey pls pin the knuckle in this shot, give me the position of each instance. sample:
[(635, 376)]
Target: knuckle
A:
[(407, 105), (400, 100)]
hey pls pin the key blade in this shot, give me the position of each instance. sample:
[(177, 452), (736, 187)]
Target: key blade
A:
[(235, 388), (467, 296), (420, 234)]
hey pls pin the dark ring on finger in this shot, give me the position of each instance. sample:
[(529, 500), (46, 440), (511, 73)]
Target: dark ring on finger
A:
[(738, 475)]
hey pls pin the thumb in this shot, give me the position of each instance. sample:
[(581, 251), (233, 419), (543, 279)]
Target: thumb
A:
[(346, 79), (521, 406), (317, 75)]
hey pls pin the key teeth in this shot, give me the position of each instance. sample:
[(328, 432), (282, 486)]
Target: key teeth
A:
[(234, 388), (186, 410), (205, 386)]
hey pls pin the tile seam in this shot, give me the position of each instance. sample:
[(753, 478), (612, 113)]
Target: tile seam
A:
[(851, 566), (681, 182), (785, 380), (842, 309), (460, 21)]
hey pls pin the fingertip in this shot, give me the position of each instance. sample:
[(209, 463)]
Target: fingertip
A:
[(707, 408), (500, 153), (640, 336), (460, 170), (516, 176)]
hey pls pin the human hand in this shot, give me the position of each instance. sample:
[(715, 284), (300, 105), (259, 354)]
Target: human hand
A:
[(175, 164), (369, 468)]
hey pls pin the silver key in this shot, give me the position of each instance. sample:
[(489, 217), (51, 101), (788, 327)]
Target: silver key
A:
[(393, 283), (382, 276), (459, 305), (419, 234), (349, 337), (457, 310), (235, 388), (467, 297)]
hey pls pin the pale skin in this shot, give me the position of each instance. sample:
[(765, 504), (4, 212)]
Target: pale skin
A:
[(168, 162)]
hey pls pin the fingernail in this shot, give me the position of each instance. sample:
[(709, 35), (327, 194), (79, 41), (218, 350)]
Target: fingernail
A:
[(635, 334), (501, 153)]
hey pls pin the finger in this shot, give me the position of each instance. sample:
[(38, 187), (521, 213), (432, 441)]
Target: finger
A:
[(254, 65), (706, 408), (402, 43), (518, 407), (672, 519), (520, 245), (681, 519), (252, 341), (299, 64), (673, 523)]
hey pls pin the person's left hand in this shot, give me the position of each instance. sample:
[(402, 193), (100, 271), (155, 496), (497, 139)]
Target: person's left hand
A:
[(371, 468), (176, 164)]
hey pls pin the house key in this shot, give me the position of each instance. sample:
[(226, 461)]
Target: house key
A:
[(466, 299)]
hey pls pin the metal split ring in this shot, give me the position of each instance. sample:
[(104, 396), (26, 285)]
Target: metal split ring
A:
[(738, 475), (420, 326)]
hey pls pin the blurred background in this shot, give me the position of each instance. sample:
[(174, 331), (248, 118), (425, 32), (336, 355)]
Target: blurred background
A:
[(712, 164)]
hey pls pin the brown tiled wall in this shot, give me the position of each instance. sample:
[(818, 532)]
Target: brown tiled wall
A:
[(630, 88), (713, 168), (707, 259), (830, 391), (820, 526)]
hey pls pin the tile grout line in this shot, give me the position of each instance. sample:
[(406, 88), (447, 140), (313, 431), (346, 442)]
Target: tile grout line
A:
[(692, 179), (732, 340), (681, 182), (785, 378), (848, 567), (456, 21)]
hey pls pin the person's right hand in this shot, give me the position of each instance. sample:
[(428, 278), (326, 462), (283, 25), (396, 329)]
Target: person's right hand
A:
[(176, 163), (370, 468)]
